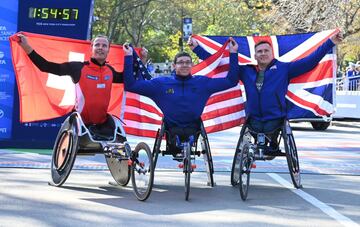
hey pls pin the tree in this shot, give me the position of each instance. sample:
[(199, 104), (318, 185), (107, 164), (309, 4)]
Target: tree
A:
[(156, 24), (314, 15)]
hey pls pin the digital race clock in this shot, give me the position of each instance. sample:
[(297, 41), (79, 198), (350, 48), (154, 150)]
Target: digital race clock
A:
[(66, 18), (53, 13)]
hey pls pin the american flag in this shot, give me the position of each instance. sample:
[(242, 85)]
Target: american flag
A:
[(223, 110), (309, 95)]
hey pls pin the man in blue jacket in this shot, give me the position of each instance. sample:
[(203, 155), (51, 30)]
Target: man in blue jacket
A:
[(266, 83), (181, 97)]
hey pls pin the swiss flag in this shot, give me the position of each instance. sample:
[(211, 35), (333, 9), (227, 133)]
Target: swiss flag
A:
[(45, 96)]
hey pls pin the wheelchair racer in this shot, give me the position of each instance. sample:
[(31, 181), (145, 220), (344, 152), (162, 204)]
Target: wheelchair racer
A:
[(93, 79), (267, 82), (181, 97)]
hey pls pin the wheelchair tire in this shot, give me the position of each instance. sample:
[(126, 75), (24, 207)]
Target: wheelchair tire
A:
[(64, 151), (209, 165), (187, 172), (142, 171), (119, 170), (292, 156), (244, 172)]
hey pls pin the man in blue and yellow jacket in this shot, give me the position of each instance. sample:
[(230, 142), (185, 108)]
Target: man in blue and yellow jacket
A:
[(182, 97)]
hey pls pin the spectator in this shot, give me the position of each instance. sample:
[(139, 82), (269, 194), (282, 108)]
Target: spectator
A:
[(158, 70), (350, 73)]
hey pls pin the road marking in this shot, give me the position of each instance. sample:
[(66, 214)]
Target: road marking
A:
[(345, 221)]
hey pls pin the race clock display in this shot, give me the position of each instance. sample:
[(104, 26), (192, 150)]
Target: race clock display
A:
[(66, 18), (53, 13)]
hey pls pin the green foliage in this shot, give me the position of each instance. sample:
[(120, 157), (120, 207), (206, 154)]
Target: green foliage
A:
[(157, 24)]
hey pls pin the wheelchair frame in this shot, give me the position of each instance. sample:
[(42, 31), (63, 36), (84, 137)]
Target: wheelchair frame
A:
[(74, 138), (251, 148), (190, 152)]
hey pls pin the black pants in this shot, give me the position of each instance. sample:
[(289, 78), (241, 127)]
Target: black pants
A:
[(104, 130), (183, 134), (271, 128)]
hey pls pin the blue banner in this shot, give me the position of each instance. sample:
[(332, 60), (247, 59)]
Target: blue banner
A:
[(65, 18), (8, 26)]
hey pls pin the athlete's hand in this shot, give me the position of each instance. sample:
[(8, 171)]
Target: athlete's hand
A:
[(144, 55), (192, 43), (23, 41), (128, 51), (337, 37), (233, 46)]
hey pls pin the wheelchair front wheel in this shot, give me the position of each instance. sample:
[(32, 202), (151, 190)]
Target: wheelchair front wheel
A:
[(187, 172), (119, 170), (244, 171), (142, 171)]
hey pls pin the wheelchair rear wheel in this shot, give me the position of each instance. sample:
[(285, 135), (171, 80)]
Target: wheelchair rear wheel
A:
[(156, 148), (292, 157), (208, 162), (142, 171), (64, 152), (234, 178), (235, 168)]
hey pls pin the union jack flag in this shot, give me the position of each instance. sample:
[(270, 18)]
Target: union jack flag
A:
[(309, 95)]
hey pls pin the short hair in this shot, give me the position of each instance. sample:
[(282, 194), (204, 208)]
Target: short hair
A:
[(182, 54), (100, 36), (262, 42)]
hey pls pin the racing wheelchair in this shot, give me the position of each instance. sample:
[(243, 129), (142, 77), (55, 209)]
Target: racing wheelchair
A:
[(74, 138), (184, 148), (253, 146)]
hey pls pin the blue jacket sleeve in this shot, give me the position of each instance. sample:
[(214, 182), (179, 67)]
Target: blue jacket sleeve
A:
[(201, 52), (306, 64), (142, 87), (219, 84)]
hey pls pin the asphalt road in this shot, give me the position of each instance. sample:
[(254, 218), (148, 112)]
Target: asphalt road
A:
[(330, 163)]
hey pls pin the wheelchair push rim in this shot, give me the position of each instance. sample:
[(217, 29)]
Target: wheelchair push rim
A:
[(63, 150), (142, 171)]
